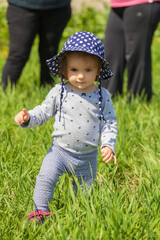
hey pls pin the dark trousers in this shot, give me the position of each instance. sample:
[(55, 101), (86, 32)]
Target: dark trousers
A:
[(24, 24), (128, 40)]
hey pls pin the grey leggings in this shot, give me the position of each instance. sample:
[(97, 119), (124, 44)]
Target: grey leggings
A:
[(59, 161)]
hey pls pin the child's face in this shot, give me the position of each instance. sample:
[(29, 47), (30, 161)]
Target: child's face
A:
[(82, 71)]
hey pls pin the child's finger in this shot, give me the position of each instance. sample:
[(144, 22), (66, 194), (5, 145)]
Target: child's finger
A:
[(25, 115), (22, 117), (105, 152), (26, 118), (25, 111), (108, 158), (115, 159), (18, 118)]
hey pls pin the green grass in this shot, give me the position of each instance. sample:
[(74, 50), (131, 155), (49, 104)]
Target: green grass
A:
[(126, 197)]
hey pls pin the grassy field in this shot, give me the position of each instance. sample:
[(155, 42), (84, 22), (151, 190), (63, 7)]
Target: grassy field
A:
[(126, 197)]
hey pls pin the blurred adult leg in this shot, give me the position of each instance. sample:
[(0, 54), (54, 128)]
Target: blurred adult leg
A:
[(22, 30), (52, 24), (115, 50), (140, 22)]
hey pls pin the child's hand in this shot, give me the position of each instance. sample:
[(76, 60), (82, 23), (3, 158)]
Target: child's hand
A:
[(22, 117), (108, 155)]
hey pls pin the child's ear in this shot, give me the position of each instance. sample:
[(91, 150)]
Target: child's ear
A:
[(99, 68), (65, 74), (97, 78)]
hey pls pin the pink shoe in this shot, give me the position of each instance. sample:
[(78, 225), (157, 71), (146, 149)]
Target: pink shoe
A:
[(38, 216)]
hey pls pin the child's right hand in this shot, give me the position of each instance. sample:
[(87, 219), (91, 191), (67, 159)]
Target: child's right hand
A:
[(22, 117)]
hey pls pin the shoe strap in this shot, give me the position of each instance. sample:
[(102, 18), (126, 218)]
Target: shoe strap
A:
[(38, 212)]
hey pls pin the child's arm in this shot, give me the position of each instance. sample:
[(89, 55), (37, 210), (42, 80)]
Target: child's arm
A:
[(108, 129), (22, 117), (107, 155), (41, 113)]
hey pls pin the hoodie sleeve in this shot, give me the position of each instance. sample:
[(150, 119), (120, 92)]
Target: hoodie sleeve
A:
[(42, 113), (109, 128)]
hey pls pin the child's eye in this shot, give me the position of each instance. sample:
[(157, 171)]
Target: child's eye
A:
[(88, 70), (73, 69)]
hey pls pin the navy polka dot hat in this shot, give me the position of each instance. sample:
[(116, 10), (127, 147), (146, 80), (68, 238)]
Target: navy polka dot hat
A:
[(82, 42)]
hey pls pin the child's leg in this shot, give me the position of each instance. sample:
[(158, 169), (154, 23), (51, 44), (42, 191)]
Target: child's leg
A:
[(84, 167), (52, 168), (57, 162), (86, 175)]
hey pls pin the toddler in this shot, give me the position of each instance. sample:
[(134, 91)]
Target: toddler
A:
[(84, 118)]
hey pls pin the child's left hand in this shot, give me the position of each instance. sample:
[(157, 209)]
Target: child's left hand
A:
[(107, 155)]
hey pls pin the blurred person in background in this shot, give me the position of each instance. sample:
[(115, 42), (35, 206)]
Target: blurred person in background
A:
[(26, 18), (128, 38)]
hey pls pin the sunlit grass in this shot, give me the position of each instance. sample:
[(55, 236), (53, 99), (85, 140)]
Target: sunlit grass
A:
[(125, 201)]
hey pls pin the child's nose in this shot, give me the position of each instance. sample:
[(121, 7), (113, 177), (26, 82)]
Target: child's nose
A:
[(81, 75)]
